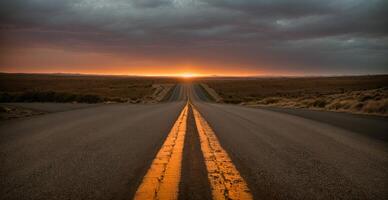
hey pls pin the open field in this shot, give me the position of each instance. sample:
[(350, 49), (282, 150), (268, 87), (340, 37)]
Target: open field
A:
[(85, 89), (357, 94)]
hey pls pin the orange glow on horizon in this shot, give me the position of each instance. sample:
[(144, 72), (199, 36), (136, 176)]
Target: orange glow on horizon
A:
[(47, 61), (219, 73), (188, 75), (146, 70), (149, 71)]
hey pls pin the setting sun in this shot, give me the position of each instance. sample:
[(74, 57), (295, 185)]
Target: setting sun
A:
[(188, 75)]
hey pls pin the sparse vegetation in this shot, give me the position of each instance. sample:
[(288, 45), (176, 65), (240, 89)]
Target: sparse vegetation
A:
[(366, 101), (358, 94), (75, 88)]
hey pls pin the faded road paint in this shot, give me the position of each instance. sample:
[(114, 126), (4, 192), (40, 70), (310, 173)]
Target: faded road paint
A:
[(163, 177), (225, 180)]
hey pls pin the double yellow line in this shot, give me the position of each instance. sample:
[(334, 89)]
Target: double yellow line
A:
[(163, 177)]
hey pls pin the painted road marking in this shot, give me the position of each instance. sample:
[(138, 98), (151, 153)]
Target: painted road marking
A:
[(162, 179), (225, 180)]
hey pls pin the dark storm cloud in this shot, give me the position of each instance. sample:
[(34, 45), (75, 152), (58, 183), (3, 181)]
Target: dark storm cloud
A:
[(311, 35)]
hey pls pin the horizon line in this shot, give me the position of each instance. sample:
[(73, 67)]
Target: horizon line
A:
[(194, 75)]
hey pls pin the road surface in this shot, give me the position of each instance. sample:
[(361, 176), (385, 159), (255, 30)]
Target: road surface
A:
[(104, 152), (291, 157)]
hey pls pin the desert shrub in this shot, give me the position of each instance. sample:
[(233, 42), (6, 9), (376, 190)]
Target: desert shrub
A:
[(376, 106), (342, 104), (271, 100), (358, 106), (365, 97), (89, 98), (347, 104), (335, 105), (306, 103), (320, 103)]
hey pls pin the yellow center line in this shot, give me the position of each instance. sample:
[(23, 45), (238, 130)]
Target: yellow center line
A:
[(162, 179), (225, 180)]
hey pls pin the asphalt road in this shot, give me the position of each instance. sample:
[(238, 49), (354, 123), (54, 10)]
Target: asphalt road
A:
[(96, 153), (103, 152), (371, 126), (299, 156), (51, 107)]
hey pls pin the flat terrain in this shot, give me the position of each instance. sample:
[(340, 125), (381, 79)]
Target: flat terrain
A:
[(356, 94), (103, 152), (79, 88)]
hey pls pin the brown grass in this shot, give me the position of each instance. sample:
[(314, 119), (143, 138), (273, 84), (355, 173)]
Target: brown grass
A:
[(373, 101), (359, 94), (89, 89)]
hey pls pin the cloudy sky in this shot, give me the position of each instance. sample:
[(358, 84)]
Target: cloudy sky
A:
[(224, 37)]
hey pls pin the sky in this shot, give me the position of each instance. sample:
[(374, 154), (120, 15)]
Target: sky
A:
[(199, 37)]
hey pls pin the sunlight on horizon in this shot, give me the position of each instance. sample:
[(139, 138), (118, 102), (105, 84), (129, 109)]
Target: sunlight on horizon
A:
[(188, 75)]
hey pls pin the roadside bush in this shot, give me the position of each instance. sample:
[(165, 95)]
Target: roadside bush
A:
[(376, 107), (89, 98), (358, 107), (365, 97), (342, 104), (271, 100), (320, 103)]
